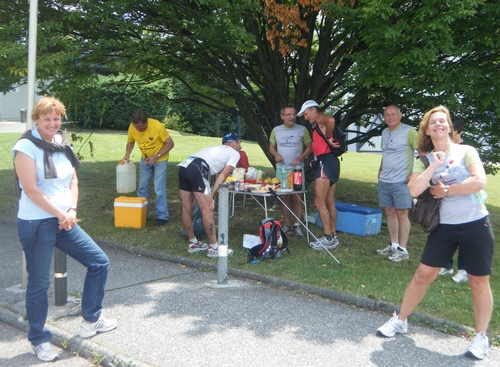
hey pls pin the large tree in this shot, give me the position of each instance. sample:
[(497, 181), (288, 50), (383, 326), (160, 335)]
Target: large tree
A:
[(250, 57)]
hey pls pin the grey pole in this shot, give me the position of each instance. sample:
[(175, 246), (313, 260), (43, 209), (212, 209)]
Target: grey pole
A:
[(223, 216), (60, 278)]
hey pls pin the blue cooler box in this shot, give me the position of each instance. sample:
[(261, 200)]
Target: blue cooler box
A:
[(356, 219)]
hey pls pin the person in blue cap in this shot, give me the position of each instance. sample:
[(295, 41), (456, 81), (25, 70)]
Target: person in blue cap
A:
[(194, 184)]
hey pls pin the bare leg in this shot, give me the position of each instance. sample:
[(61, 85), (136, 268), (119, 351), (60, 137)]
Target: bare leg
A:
[(415, 292), (204, 201), (404, 226), (321, 190), (187, 199), (482, 300), (297, 207), (392, 224), (332, 210), (284, 211)]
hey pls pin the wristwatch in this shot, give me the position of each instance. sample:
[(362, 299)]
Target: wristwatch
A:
[(446, 189), (159, 155)]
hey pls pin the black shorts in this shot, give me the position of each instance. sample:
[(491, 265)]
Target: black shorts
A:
[(475, 240), (328, 166), (194, 176)]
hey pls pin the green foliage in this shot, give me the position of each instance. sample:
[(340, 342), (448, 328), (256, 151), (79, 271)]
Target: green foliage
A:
[(354, 58), (175, 122)]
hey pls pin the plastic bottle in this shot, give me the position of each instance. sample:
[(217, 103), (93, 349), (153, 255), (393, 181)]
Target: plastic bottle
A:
[(284, 177), (125, 177), (297, 177), (480, 197), (259, 175), (461, 173)]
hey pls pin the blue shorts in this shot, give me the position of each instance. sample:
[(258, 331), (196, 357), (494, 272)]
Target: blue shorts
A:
[(394, 195), (328, 166), (474, 239)]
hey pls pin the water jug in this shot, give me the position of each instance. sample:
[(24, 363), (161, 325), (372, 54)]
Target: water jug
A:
[(125, 177)]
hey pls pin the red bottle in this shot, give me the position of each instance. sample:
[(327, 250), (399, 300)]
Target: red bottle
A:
[(297, 178)]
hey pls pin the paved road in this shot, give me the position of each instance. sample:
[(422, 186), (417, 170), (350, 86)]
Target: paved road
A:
[(12, 127), (173, 314)]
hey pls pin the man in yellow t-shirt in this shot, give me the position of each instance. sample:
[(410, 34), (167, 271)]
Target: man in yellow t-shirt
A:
[(155, 144)]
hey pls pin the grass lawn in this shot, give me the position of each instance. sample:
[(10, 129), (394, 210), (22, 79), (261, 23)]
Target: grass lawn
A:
[(364, 272)]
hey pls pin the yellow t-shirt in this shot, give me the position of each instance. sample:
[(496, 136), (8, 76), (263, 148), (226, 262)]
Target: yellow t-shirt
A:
[(151, 140)]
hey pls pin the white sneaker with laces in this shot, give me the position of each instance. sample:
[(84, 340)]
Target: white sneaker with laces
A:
[(44, 352), (214, 252), (478, 349), (102, 325), (393, 326), (297, 231), (460, 276), (389, 250), (323, 243), (287, 229), (399, 256), (445, 271), (196, 247)]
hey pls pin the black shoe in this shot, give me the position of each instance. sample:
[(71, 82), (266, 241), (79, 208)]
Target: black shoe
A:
[(161, 222)]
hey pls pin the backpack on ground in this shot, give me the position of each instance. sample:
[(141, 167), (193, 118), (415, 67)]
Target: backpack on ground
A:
[(273, 241), (340, 136)]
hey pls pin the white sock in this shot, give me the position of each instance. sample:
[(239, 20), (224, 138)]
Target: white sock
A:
[(215, 246), (194, 240), (394, 245)]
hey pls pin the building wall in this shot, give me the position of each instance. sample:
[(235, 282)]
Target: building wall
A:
[(12, 102), (366, 147)]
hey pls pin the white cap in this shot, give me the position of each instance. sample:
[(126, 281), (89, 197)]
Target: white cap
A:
[(306, 105)]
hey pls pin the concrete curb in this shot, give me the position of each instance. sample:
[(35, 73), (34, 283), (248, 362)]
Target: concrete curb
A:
[(345, 298), (73, 343)]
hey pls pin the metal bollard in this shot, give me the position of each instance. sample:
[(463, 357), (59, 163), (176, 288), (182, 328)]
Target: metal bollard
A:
[(223, 217), (60, 278)]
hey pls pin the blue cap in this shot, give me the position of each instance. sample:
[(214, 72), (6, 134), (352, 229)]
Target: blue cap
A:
[(230, 137)]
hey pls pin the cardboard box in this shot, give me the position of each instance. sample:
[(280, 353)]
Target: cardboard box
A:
[(130, 212), (356, 219)]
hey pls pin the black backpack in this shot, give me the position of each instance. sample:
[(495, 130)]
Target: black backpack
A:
[(273, 241), (340, 136)]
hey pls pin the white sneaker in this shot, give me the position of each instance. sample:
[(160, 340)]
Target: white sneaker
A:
[(102, 325), (297, 231), (445, 271), (399, 256), (460, 276), (389, 250), (479, 347), (44, 352), (214, 252), (323, 244), (287, 229), (198, 246), (393, 326)]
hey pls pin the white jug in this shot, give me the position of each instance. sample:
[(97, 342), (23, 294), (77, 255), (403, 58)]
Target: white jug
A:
[(126, 177)]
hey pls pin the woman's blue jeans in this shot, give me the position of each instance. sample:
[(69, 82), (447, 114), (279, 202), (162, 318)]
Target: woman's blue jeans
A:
[(38, 238)]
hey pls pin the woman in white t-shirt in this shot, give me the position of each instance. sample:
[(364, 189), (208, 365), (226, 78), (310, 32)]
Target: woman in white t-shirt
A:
[(458, 178), (45, 167)]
